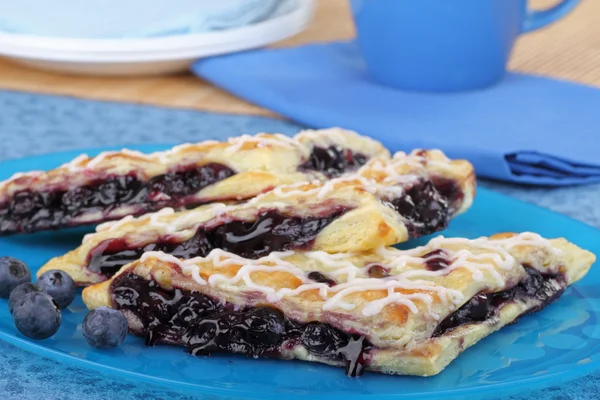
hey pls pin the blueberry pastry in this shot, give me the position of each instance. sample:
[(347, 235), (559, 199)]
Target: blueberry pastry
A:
[(397, 312), (387, 201), (116, 184)]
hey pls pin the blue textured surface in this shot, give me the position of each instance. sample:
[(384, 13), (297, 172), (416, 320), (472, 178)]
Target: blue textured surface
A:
[(32, 124)]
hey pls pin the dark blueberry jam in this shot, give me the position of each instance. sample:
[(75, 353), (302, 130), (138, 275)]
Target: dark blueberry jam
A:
[(475, 310), (544, 289), (29, 211), (451, 191), (321, 278), (271, 231), (333, 160), (425, 210), (448, 188), (204, 325), (436, 260)]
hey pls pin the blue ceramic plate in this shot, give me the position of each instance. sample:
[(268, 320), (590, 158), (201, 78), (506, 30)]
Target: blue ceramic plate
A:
[(558, 344)]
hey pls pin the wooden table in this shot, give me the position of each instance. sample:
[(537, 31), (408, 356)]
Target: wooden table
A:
[(569, 49)]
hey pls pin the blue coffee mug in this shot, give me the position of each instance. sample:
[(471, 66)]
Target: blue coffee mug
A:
[(444, 45)]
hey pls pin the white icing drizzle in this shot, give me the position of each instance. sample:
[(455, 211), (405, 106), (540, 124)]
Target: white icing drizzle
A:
[(236, 143), (190, 219), (167, 258), (390, 182), (284, 191), (522, 239), (94, 162), (325, 189), (393, 297), (338, 262), (390, 285), (400, 158), (325, 137), (158, 220), (155, 219), (74, 164), (166, 157), (403, 276), (113, 226), (19, 175), (460, 259), (444, 162)]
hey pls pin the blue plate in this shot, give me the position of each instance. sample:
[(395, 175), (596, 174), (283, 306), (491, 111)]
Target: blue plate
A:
[(560, 343)]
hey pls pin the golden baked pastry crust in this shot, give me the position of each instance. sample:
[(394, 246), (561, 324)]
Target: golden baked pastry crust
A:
[(255, 164), (399, 301), (365, 219)]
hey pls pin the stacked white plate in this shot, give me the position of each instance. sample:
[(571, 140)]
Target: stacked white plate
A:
[(155, 55)]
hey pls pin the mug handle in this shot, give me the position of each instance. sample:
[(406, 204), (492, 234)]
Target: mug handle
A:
[(538, 19)]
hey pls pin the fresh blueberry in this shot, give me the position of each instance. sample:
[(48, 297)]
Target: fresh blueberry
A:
[(37, 316), (12, 273), (59, 285), (21, 291), (104, 328)]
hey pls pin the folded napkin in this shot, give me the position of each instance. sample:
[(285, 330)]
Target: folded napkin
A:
[(111, 19), (527, 129)]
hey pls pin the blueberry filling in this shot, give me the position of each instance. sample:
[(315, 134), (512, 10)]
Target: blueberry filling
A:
[(333, 160), (204, 325), (436, 260), (321, 278), (448, 188), (543, 289), (30, 211), (271, 231), (451, 191), (425, 210)]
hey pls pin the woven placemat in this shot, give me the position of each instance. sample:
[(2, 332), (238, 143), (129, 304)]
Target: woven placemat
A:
[(568, 49)]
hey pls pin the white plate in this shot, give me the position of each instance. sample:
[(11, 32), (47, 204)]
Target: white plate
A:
[(148, 56)]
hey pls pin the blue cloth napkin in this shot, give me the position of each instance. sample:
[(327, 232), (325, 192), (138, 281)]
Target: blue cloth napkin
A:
[(114, 19), (527, 129)]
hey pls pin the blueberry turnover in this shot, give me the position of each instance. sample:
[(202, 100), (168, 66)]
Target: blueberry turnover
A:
[(397, 312), (113, 185), (387, 201)]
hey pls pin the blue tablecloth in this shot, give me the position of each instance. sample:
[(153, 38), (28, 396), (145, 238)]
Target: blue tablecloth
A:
[(35, 124)]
